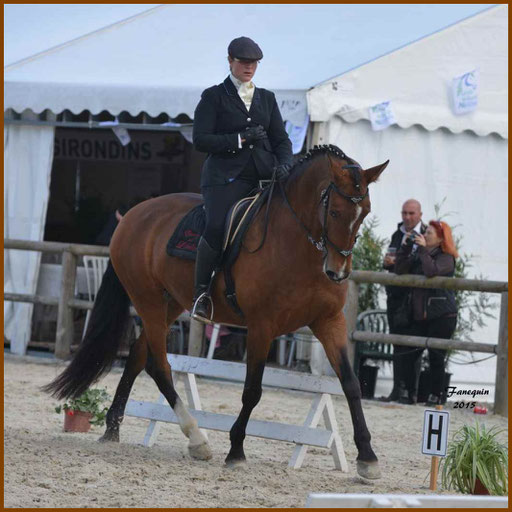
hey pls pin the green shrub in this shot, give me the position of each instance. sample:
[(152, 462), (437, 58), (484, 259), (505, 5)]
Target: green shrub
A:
[(368, 255)]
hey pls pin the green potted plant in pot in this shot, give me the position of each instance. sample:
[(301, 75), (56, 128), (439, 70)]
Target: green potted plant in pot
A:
[(86, 410), (476, 462)]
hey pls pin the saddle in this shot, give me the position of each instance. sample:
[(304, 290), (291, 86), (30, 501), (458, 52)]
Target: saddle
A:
[(183, 242)]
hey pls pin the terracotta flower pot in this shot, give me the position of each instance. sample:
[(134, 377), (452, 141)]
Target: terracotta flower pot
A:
[(76, 421), (480, 488)]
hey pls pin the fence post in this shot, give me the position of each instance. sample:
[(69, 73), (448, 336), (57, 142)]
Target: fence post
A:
[(501, 386), (64, 336), (350, 312)]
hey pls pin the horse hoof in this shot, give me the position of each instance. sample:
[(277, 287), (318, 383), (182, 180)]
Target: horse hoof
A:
[(235, 463), (200, 451), (109, 437), (368, 470)]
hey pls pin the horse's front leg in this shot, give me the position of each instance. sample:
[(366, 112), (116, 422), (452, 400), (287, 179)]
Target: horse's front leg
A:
[(257, 351), (332, 333)]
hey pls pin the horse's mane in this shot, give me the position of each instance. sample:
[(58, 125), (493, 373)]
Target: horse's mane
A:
[(318, 151)]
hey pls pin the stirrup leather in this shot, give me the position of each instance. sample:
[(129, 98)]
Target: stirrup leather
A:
[(200, 318)]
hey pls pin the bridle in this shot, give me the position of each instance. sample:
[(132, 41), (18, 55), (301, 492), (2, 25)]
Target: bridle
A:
[(325, 196)]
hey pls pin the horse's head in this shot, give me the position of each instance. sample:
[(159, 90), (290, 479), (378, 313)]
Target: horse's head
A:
[(344, 203)]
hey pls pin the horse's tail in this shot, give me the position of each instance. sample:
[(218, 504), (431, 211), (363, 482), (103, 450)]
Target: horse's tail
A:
[(96, 353)]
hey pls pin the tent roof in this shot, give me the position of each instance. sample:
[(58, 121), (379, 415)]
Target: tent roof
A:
[(416, 80), (160, 60)]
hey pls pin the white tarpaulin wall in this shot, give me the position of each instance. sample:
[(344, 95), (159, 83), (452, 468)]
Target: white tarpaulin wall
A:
[(26, 192), (434, 154), (471, 172)]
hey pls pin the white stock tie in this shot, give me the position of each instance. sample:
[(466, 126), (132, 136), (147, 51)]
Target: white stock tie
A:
[(246, 92)]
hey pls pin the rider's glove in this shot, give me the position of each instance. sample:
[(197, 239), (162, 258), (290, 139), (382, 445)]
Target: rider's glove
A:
[(253, 134), (282, 171)]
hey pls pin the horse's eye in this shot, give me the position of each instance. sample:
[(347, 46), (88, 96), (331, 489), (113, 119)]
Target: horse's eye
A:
[(334, 213)]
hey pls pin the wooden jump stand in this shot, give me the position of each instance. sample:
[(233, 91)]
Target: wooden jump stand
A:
[(187, 367)]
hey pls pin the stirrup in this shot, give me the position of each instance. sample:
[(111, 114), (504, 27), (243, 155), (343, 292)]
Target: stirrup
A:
[(200, 318)]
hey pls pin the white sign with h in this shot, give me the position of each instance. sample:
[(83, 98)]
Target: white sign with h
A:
[(435, 432)]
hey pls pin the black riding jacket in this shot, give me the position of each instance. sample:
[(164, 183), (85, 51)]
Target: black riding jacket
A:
[(220, 116)]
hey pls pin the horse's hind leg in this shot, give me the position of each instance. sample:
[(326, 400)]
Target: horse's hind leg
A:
[(137, 360), (158, 367), (333, 335), (135, 364), (257, 351)]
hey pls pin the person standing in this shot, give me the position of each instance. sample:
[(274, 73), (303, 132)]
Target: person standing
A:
[(434, 311), (240, 127), (397, 296)]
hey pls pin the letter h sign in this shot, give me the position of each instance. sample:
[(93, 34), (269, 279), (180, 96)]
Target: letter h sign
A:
[(435, 432)]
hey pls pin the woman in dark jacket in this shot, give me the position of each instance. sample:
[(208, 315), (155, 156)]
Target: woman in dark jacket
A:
[(434, 311), (240, 127)]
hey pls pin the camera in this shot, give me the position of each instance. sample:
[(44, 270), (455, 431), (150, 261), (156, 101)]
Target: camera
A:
[(409, 241)]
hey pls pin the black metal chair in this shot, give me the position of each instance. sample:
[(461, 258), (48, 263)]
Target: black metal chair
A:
[(374, 320)]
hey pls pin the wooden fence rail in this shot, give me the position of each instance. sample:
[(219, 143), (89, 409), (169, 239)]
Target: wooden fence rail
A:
[(66, 302), (420, 341), (449, 283)]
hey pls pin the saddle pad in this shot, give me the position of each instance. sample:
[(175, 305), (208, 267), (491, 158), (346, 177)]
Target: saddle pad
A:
[(184, 240)]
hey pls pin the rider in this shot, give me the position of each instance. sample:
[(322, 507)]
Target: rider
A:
[(240, 127)]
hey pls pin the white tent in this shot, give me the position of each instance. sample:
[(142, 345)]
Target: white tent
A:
[(159, 62), (434, 154)]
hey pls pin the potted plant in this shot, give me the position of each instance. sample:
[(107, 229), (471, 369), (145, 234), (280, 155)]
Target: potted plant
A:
[(86, 410), (476, 462)]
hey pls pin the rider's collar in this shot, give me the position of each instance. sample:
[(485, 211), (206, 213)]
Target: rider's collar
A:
[(237, 83)]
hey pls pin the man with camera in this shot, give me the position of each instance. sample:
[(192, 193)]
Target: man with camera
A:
[(397, 296)]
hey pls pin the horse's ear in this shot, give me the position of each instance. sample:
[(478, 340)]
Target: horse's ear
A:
[(373, 173)]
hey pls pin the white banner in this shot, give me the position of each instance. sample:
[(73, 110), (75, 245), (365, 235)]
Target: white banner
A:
[(381, 116), (122, 134), (465, 92)]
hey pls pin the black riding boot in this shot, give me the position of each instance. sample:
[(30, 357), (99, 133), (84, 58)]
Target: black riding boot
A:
[(207, 259)]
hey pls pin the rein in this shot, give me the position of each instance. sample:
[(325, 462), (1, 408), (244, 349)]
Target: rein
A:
[(321, 243), (269, 199)]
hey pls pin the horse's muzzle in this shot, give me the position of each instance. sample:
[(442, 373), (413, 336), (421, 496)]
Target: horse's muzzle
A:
[(337, 278)]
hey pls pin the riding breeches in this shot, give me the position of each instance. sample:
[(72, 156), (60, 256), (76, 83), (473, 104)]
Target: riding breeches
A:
[(218, 199)]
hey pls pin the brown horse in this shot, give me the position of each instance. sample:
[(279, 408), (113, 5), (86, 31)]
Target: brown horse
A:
[(297, 278)]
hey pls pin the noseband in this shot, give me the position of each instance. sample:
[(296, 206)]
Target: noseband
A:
[(323, 241)]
